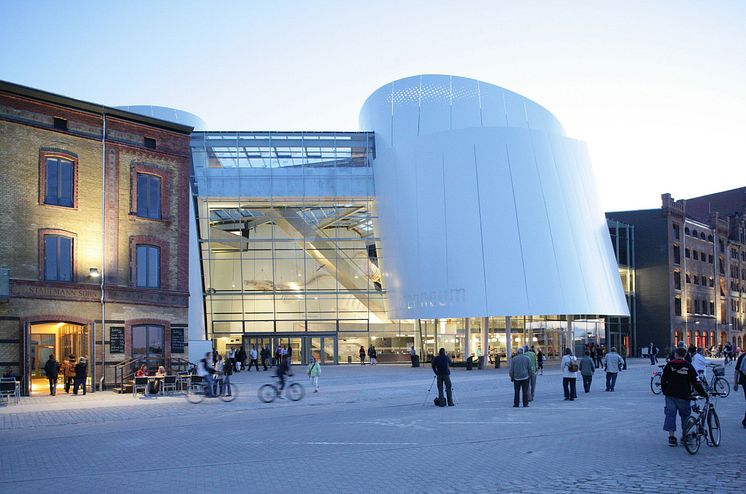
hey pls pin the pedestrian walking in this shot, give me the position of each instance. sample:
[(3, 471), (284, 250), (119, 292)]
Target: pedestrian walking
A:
[(254, 359), (413, 356), (241, 358), (52, 370), (362, 355), (314, 371), (441, 368), (587, 368), (569, 375), (613, 363), (539, 361), (600, 356), (653, 353), (68, 373), (529, 352), (677, 382), (226, 377), (520, 375), (372, 355), (265, 355), (81, 375), (739, 379)]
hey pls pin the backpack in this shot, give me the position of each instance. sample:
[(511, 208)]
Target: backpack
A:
[(572, 366)]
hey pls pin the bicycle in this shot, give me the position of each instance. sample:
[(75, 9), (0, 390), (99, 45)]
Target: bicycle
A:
[(655, 381), (694, 427), (196, 391), (718, 385), (269, 392)]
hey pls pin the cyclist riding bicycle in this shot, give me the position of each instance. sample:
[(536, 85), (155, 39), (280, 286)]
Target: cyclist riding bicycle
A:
[(677, 382), (282, 369), (205, 370)]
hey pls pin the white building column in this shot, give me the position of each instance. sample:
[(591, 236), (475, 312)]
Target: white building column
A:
[(508, 342), (485, 337), (467, 337)]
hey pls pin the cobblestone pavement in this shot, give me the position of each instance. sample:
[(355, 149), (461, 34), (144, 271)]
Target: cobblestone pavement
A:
[(368, 428)]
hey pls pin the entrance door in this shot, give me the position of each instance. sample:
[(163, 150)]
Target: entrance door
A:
[(322, 348), (64, 341)]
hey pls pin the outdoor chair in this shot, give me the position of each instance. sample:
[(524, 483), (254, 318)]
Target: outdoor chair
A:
[(10, 387), (139, 384), (168, 384)]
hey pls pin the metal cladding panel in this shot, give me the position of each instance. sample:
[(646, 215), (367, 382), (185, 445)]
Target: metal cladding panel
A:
[(485, 206)]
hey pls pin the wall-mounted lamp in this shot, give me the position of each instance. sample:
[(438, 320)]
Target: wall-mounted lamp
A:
[(93, 273)]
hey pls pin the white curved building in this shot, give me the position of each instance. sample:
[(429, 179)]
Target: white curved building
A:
[(461, 217), (485, 206)]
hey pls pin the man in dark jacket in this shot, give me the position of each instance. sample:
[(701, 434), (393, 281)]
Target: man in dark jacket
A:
[(81, 374), (440, 368), (677, 382), (739, 379), (52, 370)]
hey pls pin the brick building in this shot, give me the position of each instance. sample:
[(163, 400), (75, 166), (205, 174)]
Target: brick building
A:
[(690, 260), (66, 262)]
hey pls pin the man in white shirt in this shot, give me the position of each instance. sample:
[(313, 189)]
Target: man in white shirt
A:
[(254, 358), (699, 362)]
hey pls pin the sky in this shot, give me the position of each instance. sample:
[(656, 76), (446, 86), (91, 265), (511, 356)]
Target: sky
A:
[(657, 89)]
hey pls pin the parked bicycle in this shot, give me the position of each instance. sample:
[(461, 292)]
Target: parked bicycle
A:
[(718, 385), (655, 381), (269, 392), (704, 422), (196, 391)]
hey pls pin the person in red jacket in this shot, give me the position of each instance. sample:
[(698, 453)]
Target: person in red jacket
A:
[(678, 381)]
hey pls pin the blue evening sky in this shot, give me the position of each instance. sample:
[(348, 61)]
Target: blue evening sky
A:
[(656, 88)]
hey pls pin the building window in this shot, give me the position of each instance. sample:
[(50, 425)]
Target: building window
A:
[(696, 306), (709, 258), (59, 181), (677, 306), (686, 230), (712, 308), (712, 281), (149, 143), (695, 254), (702, 235), (147, 341), (676, 254), (147, 266), (677, 280), (676, 232), (696, 279), (688, 278), (148, 196), (687, 253), (60, 123), (58, 258)]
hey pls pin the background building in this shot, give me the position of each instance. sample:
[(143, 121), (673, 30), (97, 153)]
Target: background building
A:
[(690, 279), (95, 228)]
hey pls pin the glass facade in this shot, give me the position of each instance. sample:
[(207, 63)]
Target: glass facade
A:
[(291, 257)]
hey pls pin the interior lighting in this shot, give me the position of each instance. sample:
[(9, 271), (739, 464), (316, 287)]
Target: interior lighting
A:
[(93, 272)]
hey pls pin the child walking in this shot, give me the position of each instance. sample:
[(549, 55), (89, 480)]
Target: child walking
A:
[(314, 371)]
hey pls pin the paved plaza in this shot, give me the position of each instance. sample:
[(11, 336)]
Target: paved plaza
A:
[(369, 429)]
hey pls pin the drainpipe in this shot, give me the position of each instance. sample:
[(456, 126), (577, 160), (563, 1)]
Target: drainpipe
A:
[(103, 259)]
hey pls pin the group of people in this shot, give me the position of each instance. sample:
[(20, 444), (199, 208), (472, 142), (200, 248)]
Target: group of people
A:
[(74, 374), (154, 386), (216, 374), (372, 355)]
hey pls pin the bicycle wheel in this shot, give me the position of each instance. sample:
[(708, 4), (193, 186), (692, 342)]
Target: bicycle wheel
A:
[(713, 427), (691, 437), (230, 397), (267, 393), (296, 391), (195, 393), (655, 384), (722, 387)]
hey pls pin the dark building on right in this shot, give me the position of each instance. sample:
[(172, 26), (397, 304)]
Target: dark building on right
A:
[(690, 269)]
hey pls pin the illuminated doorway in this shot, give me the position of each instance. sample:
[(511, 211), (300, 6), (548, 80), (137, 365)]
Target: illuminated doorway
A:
[(61, 339)]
